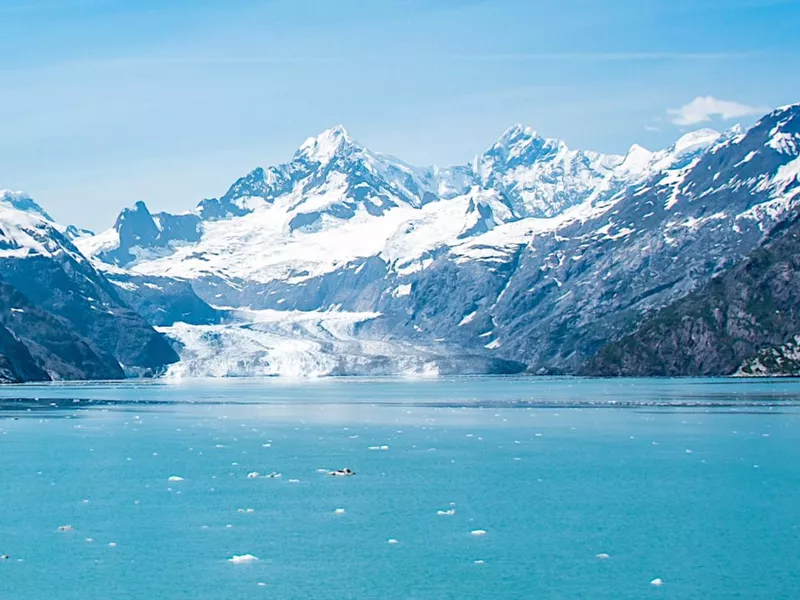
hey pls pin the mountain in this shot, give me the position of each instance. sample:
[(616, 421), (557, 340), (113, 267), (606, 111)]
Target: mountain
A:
[(746, 321), (39, 346), (531, 253), (53, 302)]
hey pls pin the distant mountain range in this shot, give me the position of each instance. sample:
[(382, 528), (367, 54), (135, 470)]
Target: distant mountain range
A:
[(345, 261)]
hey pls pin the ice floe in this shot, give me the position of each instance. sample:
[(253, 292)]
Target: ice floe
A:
[(478, 532), (239, 559)]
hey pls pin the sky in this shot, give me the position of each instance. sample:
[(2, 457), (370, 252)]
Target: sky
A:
[(105, 102)]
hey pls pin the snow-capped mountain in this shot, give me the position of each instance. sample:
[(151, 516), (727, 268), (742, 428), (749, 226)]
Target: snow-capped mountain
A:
[(336, 202), (531, 252), (62, 318)]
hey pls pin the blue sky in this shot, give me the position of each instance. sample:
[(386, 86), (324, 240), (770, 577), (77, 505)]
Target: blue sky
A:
[(105, 102)]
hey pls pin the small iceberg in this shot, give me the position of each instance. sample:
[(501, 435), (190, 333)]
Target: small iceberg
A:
[(240, 559), (339, 511), (657, 582), (478, 532), (393, 541), (602, 556), (446, 513), (175, 478)]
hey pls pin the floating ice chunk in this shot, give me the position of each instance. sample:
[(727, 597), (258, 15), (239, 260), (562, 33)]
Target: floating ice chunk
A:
[(603, 556), (112, 544), (657, 582), (294, 481), (64, 528), (478, 532), (246, 510), (175, 478), (446, 513), (240, 559), (479, 562), (261, 584), (339, 511), (253, 475), (379, 447), (393, 541)]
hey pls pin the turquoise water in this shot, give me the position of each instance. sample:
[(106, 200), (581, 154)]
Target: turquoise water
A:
[(693, 482)]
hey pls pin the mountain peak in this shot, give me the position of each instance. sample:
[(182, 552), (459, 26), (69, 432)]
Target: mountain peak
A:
[(22, 201), (134, 216), (324, 147), (516, 133), (695, 140)]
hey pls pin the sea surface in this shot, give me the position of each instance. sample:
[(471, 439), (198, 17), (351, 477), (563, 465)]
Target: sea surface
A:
[(489, 488)]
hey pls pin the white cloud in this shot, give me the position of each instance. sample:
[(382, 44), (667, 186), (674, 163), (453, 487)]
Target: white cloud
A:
[(703, 108)]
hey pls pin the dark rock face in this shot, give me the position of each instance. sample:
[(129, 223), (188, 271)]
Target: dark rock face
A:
[(16, 363), (138, 229), (55, 350), (743, 314), (80, 296)]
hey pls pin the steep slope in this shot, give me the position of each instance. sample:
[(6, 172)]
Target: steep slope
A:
[(547, 290), (590, 281), (39, 261), (16, 363), (749, 314), (45, 347)]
